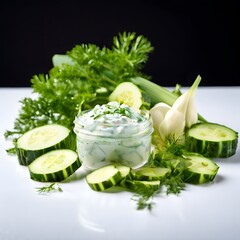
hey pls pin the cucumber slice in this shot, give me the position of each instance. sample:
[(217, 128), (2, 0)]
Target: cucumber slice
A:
[(212, 140), (59, 59), (148, 174), (125, 173), (104, 178), (124, 170), (127, 93), (200, 169), (40, 140), (54, 166), (135, 184)]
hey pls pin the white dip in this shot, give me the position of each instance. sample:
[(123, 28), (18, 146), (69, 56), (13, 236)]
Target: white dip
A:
[(113, 133)]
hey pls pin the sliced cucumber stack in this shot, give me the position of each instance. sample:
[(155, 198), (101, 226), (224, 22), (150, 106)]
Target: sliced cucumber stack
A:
[(54, 166), (127, 93), (212, 140), (43, 139), (200, 169), (110, 176)]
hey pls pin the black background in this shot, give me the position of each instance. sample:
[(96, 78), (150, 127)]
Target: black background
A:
[(189, 37)]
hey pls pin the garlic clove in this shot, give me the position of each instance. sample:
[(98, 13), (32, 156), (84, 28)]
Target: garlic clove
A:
[(172, 125), (158, 113)]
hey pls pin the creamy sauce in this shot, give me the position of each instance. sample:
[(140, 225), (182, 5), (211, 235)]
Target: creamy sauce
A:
[(112, 119), (113, 133)]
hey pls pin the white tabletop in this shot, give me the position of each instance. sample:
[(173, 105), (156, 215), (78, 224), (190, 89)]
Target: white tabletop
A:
[(210, 211)]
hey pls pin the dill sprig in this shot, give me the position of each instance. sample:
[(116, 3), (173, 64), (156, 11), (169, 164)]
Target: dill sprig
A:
[(143, 195), (171, 156), (53, 187)]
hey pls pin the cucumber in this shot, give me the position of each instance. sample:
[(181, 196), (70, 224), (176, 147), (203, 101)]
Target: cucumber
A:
[(149, 174), (127, 93), (54, 166), (124, 170), (199, 170), (212, 140), (40, 140), (59, 59), (125, 173), (136, 184), (104, 178)]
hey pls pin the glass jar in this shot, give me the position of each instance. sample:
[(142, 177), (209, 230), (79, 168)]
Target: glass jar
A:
[(112, 138)]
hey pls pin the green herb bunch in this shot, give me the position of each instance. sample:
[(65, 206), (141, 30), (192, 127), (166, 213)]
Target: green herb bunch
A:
[(88, 80)]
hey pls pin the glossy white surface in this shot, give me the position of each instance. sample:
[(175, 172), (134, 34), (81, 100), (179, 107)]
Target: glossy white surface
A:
[(210, 211)]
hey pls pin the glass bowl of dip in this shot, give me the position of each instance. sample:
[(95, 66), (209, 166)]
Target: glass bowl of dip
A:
[(113, 133)]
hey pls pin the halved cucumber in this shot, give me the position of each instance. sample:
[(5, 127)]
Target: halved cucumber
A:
[(40, 140), (54, 166), (149, 174), (127, 93), (212, 140), (104, 178), (200, 169)]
